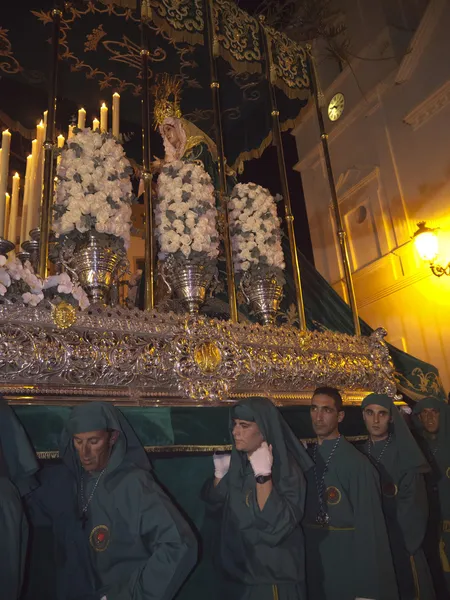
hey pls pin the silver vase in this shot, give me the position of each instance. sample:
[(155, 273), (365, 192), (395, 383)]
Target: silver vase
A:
[(263, 294), (190, 282), (96, 269)]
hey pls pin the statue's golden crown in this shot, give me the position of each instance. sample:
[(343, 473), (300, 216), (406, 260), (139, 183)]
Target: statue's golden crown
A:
[(167, 93)]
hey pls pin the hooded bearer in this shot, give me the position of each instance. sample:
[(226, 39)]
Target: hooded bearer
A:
[(400, 463), (432, 420), (260, 491), (347, 547)]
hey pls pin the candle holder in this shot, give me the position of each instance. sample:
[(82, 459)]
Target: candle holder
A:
[(5, 246), (31, 247), (23, 256)]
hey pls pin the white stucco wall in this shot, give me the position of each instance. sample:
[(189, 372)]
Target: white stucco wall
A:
[(391, 159)]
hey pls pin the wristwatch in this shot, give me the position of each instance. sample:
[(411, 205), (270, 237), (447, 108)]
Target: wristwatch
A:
[(263, 478)]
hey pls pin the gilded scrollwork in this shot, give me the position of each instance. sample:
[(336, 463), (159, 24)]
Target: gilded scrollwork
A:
[(123, 50), (238, 36), (193, 360), (289, 68), (8, 63), (183, 19)]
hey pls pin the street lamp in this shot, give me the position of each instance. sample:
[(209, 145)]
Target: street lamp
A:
[(427, 245)]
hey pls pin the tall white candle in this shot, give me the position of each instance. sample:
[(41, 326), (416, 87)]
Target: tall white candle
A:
[(81, 119), (104, 118), (70, 134), (34, 201), (4, 168), (61, 141), (116, 115), (12, 226), (45, 124), (7, 213), (95, 124), (26, 195)]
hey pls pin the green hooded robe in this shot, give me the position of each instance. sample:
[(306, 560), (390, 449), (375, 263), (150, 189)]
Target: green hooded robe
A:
[(261, 552), (401, 464), (18, 466), (140, 546), (350, 556), (437, 450)]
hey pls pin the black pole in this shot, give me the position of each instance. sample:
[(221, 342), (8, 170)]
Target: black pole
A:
[(149, 267), (49, 147), (278, 142), (215, 91), (342, 235)]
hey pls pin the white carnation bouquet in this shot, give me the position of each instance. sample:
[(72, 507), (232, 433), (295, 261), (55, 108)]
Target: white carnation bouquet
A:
[(93, 188), (255, 232), (19, 281), (61, 288), (186, 215)]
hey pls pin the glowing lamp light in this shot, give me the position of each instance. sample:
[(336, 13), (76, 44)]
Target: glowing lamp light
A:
[(427, 245), (426, 242)]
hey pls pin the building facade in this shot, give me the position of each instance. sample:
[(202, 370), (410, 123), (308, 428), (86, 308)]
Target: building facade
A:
[(390, 151)]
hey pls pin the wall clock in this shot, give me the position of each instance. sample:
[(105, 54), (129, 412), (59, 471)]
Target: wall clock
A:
[(336, 107)]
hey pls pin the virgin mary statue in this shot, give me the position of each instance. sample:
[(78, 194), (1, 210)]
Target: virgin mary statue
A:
[(183, 141)]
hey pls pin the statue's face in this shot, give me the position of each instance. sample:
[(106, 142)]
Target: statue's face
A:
[(170, 134)]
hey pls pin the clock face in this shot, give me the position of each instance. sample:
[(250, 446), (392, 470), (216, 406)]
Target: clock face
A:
[(336, 107)]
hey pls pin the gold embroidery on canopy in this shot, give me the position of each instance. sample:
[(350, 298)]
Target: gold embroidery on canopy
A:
[(237, 36), (8, 64), (288, 64), (182, 20), (125, 50)]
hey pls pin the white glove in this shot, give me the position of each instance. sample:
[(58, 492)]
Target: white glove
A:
[(262, 460), (221, 465), (103, 598)]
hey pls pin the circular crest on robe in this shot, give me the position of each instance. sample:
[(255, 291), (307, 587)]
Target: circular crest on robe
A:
[(389, 489), (332, 495), (99, 538), (447, 472)]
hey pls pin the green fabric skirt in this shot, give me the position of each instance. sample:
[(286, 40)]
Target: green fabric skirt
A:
[(281, 591)]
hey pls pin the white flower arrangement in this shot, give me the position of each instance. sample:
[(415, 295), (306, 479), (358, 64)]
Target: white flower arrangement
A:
[(63, 288), (93, 188), (186, 215), (255, 231), (19, 280)]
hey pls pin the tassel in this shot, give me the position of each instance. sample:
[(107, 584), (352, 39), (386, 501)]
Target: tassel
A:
[(216, 51)]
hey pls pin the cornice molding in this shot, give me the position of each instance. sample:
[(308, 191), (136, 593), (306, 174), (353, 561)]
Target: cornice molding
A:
[(420, 40), (429, 107), (371, 174)]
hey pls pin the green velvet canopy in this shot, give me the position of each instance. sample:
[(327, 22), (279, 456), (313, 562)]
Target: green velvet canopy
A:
[(100, 55)]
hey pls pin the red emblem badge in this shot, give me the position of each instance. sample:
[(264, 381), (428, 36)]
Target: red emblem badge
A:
[(389, 489), (99, 538), (332, 495)]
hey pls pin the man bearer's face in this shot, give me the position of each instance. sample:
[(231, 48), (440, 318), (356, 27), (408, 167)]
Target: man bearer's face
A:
[(377, 419), (430, 419), (94, 448), (325, 417)]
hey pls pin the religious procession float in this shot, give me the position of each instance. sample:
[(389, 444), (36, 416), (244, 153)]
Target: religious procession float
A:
[(224, 306)]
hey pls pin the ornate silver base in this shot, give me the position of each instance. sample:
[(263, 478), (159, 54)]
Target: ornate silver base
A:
[(140, 357), (96, 269), (264, 295), (189, 281)]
